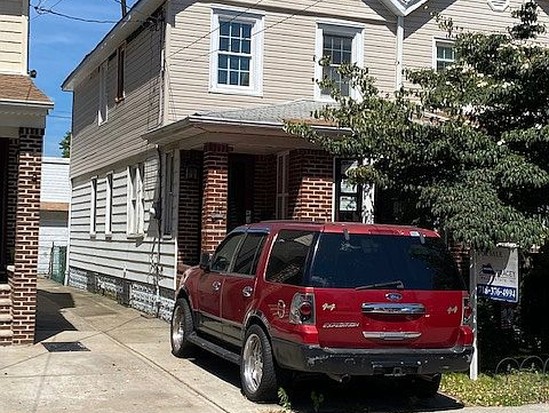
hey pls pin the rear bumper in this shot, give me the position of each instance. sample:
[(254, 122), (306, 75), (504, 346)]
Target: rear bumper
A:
[(367, 362)]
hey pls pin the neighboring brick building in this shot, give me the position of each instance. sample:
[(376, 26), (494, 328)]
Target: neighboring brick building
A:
[(23, 110)]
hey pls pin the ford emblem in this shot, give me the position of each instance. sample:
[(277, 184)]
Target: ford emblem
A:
[(393, 297)]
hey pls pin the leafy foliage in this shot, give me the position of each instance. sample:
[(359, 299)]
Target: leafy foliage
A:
[(65, 145), (468, 146)]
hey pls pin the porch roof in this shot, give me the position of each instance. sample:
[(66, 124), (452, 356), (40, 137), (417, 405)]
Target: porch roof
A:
[(257, 130), (20, 89)]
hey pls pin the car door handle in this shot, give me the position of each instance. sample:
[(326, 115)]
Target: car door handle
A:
[(216, 285), (247, 291)]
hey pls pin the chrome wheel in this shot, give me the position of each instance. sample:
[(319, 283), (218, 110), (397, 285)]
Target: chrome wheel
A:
[(253, 362), (181, 329), (178, 328)]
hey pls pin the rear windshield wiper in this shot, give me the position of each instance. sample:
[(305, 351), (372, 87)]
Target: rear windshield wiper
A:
[(394, 284)]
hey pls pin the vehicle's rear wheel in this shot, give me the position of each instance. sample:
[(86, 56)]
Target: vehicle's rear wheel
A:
[(181, 328), (425, 386), (257, 367)]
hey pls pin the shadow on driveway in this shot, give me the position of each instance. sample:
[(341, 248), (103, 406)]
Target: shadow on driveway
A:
[(49, 318), (360, 395)]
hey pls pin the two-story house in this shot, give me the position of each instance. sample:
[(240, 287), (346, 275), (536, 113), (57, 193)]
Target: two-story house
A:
[(178, 124), (23, 110)]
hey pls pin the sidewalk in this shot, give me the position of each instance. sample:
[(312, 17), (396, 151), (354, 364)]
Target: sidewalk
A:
[(127, 366)]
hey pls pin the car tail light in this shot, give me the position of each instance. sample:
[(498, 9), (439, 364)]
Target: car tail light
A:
[(302, 309), (466, 318)]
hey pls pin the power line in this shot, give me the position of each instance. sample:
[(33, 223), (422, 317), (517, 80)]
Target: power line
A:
[(42, 11), (214, 30), (253, 34)]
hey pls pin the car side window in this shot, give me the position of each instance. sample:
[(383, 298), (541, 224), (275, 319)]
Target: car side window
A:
[(288, 256), (221, 260), (248, 256)]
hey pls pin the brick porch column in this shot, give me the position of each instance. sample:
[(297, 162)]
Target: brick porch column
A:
[(310, 187), (214, 197), (23, 281)]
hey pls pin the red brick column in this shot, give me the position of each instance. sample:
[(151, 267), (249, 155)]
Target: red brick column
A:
[(13, 149), (311, 185), (23, 280), (214, 197), (190, 206)]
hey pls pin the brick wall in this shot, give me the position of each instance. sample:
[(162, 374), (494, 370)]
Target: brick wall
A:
[(265, 188), (13, 148), (23, 280), (310, 186), (190, 204), (214, 200), (6, 333)]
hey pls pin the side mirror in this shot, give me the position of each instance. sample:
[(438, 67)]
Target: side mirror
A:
[(204, 261)]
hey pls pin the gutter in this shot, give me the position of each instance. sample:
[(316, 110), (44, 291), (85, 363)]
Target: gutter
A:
[(25, 104)]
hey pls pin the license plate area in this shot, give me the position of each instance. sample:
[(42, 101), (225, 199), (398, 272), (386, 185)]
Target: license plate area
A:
[(395, 370)]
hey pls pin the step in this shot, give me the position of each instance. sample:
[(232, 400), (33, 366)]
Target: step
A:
[(6, 318), (5, 287), (5, 302), (6, 334)]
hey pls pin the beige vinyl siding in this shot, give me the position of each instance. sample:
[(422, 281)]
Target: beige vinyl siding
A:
[(119, 255), (289, 50), (472, 15), (95, 146), (13, 34)]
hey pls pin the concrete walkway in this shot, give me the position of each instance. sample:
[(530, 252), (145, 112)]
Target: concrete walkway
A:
[(127, 367)]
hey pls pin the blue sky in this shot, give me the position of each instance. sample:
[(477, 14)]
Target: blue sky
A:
[(57, 45)]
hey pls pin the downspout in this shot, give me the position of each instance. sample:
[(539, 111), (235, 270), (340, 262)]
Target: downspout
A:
[(159, 213), (399, 52)]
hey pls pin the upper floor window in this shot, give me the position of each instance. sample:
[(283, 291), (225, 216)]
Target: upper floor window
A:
[(136, 200), (121, 73), (102, 111), (237, 53), (445, 54), (339, 45)]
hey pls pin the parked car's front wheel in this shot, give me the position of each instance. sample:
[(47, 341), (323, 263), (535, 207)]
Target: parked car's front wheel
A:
[(181, 328), (257, 367)]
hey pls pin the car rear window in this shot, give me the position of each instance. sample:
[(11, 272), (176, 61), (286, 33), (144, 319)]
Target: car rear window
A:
[(368, 261)]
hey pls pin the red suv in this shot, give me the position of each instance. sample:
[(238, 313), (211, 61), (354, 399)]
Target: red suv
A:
[(342, 299)]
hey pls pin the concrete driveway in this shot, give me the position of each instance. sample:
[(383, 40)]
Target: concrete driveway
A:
[(125, 365)]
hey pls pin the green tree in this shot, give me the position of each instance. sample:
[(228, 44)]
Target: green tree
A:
[(65, 145), (468, 146)]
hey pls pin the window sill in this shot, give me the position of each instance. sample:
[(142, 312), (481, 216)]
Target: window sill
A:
[(93, 235), (120, 99), (242, 92)]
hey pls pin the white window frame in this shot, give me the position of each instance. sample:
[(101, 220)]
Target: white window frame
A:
[(256, 63), (135, 201), (499, 5), (121, 58), (108, 204), (282, 184), (93, 206), (437, 41), (337, 28), (169, 191), (103, 107)]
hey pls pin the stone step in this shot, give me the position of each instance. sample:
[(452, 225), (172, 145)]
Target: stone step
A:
[(5, 318), (5, 302), (5, 287), (6, 333)]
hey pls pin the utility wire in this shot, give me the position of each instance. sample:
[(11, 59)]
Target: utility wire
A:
[(214, 30), (253, 34), (41, 11)]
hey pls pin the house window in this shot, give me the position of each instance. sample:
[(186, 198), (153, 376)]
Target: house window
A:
[(136, 200), (237, 52), (340, 45), (348, 196), (93, 206), (102, 112), (445, 54), (282, 181), (169, 195), (108, 205), (121, 75)]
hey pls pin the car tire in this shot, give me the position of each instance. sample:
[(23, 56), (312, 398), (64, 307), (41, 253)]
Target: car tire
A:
[(425, 387), (257, 367), (181, 328)]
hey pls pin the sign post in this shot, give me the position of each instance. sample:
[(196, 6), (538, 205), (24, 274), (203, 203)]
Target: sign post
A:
[(473, 368)]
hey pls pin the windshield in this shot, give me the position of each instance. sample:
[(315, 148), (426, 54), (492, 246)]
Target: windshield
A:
[(367, 261)]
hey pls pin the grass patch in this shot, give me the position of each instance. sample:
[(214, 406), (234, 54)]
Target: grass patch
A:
[(515, 389)]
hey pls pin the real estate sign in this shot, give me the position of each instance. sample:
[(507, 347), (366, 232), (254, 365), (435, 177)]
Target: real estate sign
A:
[(497, 274)]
